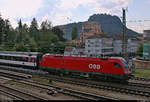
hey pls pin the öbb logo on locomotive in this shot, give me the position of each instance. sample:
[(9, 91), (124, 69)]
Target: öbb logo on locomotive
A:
[(94, 66)]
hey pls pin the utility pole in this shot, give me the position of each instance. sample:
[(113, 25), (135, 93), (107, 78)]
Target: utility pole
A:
[(124, 39)]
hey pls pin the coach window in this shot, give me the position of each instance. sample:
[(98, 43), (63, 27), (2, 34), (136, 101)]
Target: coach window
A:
[(2, 57), (117, 65), (14, 58), (7, 57)]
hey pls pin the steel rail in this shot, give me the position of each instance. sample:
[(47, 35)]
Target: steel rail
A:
[(20, 94), (76, 93), (106, 87)]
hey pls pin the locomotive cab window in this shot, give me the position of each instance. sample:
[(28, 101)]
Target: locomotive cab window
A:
[(117, 65)]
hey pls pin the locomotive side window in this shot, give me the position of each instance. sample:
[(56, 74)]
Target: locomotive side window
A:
[(124, 64), (117, 65)]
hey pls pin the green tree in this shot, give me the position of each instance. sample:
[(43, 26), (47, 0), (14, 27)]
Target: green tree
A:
[(46, 25), (30, 43), (6, 31), (33, 30), (74, 33), (25, 28), (47, 40), (11, 39), (23, 39), (59, 33), (20, 47), (19, 37), (2, 23)]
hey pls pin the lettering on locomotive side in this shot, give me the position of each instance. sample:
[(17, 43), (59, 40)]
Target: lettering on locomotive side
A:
[(94, 66)]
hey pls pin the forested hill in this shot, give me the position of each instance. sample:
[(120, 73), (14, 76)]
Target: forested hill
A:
[(110, 25)]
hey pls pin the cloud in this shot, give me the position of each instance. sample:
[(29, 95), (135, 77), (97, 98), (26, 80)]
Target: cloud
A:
[(58, 10), (19, 8), (136, 28), (92, 4), (111, 6), (64, 8), (16, 9), (60, 18), (69, 4)]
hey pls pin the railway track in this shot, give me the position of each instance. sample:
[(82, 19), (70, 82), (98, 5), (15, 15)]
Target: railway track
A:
[(123, 89), (140, 78), (19, 94), (17, 74), (139, 84), (128, 89), (71, 92), (23, 70), (67, 91), (13, 97)]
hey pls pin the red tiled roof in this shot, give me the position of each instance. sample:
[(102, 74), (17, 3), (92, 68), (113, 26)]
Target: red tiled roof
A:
[(68, 49)]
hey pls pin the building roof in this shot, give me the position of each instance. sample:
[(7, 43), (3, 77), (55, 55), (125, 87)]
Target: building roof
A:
[(69, 49), (91, 22), (146, 31), (99, 36)]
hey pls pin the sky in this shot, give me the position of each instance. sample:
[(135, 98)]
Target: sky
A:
[(61, 12)]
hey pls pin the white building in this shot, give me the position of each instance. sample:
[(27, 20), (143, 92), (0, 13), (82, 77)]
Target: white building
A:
[(146, 34), (70, 51), (73, 51), (99, 45), (106, 45), (117, 45), (133, 45), (103, 45)]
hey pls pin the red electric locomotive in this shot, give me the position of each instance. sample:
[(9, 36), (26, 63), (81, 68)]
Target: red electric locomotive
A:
[(108, 68)]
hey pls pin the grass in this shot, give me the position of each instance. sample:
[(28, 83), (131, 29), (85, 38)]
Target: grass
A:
[(37, 78), (16, 83), (139, 72)]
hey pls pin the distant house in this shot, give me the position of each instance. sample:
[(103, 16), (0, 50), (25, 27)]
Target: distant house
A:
[(74, 51), (76, 41), (133, 45), (99, 45), (103, 45), (117, 45), (90, 29), (146, 34), (69, 51)]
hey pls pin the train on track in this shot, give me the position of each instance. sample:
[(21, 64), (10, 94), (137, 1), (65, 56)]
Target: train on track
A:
[(20, 59), (108, 68)]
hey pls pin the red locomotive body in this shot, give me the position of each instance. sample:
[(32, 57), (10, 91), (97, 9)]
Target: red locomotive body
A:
[(106, 67)]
